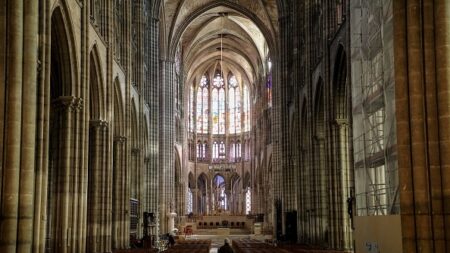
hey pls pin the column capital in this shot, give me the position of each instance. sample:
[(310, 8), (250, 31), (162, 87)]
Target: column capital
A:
[(318, 137), (120, 139), (69, 103), (135, 151), (341, 122), (98, 123)]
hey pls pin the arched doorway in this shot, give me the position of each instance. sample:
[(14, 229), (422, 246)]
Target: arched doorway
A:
[(221, 194), (202, 196)]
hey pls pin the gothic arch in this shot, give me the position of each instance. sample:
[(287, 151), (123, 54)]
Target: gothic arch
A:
[(340, 87), (97, 108), (247, 180), (202, 189), (191, 180), (341, 171), (62, 84), (134, 124), (118, 109), (64, 45)]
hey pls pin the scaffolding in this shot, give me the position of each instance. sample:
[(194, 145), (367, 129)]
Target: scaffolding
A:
[(373, 100)]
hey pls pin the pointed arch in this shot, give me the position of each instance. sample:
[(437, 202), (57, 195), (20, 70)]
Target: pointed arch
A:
[(63, 80), (202, 186), (247, 180), (191, 180), (134, 123), (63, 50), (340, 89), (118, 109), (96, 86), (341, 143)]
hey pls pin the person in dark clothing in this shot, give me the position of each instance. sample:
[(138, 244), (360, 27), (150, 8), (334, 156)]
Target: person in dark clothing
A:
[(171, 240), (226, 248)]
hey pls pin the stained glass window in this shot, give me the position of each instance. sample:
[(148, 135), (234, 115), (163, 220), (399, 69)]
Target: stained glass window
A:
[(238, 149), (222, 111), (246, 110), (235, 151), (202, 106), (219, 183), (234, 106), (248, 201), (218, 105), (223, 199), (189, 201), (238, 109), (204, 148), (228, 105), (215, 110), (222, 150), (232, 151), (191, 109), (269, 84), (215, 150), (199, 150)]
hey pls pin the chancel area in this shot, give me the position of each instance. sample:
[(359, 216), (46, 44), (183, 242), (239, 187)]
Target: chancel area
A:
[(172, 125)]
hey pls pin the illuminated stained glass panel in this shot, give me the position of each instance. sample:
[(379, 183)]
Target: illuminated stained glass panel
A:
[(215, 150), (205, 112), (246, 110), (222, 111), (199, 118), (222, 150), (191, 109), (202, 112), (189, 201), (234, 106), (248, 201), (231, 110), (215, 110)]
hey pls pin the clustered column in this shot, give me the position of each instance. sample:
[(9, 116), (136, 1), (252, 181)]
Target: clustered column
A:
[(120, 200)]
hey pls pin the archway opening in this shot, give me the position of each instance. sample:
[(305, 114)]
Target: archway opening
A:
[(61, 103)]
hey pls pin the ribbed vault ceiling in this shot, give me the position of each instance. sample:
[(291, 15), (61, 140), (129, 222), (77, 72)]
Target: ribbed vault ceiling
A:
[(241, 30)]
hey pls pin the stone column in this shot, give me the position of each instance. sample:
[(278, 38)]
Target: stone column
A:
[(194, 201), (341, 239), (135, 177), (171, 221), (27, 175), (94, 187), (442, 37), (166, 140), (421, 170), (12, 139), (124, 202), (116, 192), (209, 202), (62, 227)]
